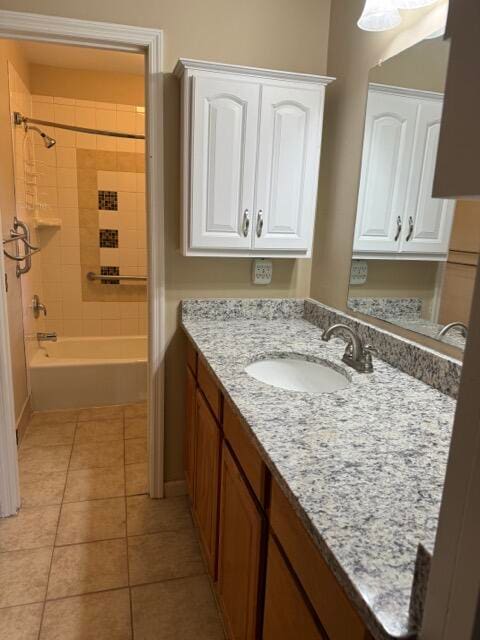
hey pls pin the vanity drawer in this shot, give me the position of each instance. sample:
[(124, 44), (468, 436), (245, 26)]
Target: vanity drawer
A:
[(248, 457), (335, 612), (209, 387), (192, 358)]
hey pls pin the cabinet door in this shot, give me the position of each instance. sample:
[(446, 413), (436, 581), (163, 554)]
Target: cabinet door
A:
[(428, 221), (238, 552), (288, 161), (207, 465), (387, 150), (224, 142), (286, 615), (190, 432)]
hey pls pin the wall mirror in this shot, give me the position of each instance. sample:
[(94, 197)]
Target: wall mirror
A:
[(414, 256)]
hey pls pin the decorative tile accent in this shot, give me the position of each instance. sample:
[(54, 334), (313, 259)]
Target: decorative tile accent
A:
[(109, 238), (110, 271), (108, 200)]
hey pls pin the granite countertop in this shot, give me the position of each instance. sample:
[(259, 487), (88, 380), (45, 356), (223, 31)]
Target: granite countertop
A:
[(364, 467)]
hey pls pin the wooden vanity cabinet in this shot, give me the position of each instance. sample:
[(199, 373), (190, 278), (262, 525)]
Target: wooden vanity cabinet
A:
[(287, 615), (206, 479), (241, 529), (190, 436)]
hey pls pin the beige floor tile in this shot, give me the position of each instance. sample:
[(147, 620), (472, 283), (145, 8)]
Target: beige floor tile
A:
[(91, 455), (136, 478), (176, 610), (162, 556), (41, 489), (101, 413), (54, 417), (99, 431), (135, 428), (29, 529), (88, 567), (21, 623), (138, 410), (135, 450), (48, 435), (24, 576), (44, 459), (90, 484), (91, 520), (147, 515), (96, 616)]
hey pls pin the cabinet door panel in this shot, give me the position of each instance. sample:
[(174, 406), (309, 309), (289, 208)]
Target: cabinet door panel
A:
[(238, 552), (224, 126), (286, 616), (431, 218), (207, 464), (387, 149), (190, 433), (288, 160)]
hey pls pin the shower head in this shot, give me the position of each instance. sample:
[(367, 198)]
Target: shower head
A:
[(18, 119), (48, 141)]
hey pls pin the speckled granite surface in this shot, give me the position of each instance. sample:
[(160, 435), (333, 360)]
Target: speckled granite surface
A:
[(364, 467)]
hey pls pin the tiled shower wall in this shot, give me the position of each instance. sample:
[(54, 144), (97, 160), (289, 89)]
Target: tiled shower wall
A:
[(95, 186)]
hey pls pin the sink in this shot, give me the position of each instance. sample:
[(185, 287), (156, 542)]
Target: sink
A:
[(297, 374)]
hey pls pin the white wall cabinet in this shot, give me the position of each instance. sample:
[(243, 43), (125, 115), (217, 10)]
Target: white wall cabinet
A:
[(397, 218), (251, 143)]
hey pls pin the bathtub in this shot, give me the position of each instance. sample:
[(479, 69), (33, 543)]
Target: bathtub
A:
[(86, 372)]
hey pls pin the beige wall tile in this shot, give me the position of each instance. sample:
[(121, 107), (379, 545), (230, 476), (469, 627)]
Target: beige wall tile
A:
[(85, 568)]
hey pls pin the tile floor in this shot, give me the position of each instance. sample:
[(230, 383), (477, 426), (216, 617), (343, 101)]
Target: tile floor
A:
[(90, 556)]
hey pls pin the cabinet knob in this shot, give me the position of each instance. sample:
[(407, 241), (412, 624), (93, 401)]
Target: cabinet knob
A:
[(399, 228), (410, 229), (245, 223), (259, 223)]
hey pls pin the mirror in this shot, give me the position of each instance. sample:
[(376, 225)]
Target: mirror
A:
[(414, 256)]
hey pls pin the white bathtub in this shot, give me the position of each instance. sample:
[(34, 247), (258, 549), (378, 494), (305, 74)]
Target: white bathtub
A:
[(83, 372)]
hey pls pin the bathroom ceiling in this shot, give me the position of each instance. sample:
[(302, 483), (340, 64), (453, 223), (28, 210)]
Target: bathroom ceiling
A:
[(69, 57)]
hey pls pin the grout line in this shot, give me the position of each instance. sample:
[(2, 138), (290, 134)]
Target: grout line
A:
[(54, 541), (126, 530)]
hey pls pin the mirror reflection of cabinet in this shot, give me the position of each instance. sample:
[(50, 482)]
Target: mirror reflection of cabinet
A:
[(396, 217)]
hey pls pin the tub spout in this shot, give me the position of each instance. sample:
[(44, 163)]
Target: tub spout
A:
[(50, 336)]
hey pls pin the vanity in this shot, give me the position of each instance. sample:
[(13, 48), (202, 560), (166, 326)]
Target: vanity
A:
[(310, 504)]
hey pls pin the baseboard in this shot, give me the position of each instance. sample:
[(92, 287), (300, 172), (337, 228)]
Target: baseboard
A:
[(175, 488), (24, 419)]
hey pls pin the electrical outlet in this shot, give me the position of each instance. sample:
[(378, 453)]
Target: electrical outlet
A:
[(262, 271), (359, 272)]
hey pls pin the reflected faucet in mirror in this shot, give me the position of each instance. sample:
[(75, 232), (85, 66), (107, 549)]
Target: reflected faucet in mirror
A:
[(463, 329)]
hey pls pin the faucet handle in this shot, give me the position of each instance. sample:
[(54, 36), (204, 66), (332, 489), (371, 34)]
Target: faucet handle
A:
[(368, 350)]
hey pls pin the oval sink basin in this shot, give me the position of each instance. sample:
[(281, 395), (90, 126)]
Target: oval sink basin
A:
[(296, 374)]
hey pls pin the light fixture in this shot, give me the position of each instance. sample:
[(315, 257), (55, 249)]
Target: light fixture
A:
[(379, 15), (413, 4)]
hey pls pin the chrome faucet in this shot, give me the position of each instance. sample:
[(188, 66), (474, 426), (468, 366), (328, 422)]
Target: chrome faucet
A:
[(356, 355), (454, 325), (50, 336)]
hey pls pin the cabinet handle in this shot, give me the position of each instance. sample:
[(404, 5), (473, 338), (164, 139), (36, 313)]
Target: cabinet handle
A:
[(259, 223), (399, 228), (245, 223), (410, 229)]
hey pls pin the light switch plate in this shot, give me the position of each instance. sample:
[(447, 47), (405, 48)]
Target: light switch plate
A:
[(262, 271), (359, 272)]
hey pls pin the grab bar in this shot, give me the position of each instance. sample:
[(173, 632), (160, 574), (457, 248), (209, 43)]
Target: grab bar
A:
[(25, 238), (96, 276)]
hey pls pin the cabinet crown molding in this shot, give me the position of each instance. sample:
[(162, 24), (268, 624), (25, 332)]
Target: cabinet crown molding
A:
[(405, 91), (187, 64)]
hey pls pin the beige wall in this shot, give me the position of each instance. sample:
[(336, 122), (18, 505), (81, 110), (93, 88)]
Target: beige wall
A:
[(351, 54), (83, 84), (10, 51), (281, 34)]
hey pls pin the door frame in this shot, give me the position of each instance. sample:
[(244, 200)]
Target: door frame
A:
[(85, 33)]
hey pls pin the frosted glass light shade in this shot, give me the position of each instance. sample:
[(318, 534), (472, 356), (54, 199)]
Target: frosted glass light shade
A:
[(413, 4), (379, 15)]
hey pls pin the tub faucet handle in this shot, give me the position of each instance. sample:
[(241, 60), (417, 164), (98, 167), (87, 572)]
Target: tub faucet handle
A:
[(50, 336), (37, 307)]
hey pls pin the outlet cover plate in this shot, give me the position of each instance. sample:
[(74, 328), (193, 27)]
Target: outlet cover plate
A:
[(262, 271), (359, 272)]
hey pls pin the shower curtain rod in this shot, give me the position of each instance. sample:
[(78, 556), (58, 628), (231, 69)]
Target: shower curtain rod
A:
[(19, 119)]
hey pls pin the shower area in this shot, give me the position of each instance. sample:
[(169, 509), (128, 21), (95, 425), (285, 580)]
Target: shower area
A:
[(78, 234)]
